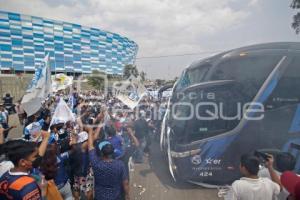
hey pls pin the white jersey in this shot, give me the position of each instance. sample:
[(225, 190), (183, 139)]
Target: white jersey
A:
[(254, 189)]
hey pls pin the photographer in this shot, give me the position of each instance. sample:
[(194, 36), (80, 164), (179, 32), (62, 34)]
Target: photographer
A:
[(253, 187), (284, 162)]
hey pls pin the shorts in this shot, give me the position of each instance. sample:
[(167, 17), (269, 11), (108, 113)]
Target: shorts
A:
[(5, 126), (84, 184)]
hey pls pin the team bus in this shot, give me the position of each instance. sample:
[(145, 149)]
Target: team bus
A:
[(233, 103)]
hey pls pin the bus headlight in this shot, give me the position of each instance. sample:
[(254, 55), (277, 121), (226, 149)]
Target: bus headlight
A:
[(185, 154)]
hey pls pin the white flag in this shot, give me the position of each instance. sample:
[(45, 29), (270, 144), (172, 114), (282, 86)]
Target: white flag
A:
[(38, 89), (130, 92), (61, 82), (62, 113)]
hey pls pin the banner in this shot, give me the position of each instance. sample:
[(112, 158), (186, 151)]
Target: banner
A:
[(38, 89), (62, 113), (33, 130), (61, 82), (130, 92)]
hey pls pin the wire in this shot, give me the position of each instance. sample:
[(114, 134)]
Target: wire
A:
[(177, 55)]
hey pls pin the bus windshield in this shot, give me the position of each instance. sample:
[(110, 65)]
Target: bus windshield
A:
[(212, 109), (192, 76)]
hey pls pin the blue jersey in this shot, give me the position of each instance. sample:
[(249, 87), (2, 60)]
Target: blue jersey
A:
[(61, 177), (19, 186)]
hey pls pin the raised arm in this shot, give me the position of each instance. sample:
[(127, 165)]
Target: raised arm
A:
[(269, 164), (90, 138), (1, 136), (132, 136), (44, 144), (99, 124)]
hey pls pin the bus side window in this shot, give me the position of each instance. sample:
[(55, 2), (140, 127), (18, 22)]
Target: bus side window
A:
[(249, 71), (287, 91)]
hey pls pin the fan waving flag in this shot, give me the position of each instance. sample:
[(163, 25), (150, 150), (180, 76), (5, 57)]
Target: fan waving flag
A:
[(38, 89), (130, 92), (61, 82), (62, 113)]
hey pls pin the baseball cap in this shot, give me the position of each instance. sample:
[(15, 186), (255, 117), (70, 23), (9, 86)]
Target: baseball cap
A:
[(102, 144), (82, 137), (291, 182)]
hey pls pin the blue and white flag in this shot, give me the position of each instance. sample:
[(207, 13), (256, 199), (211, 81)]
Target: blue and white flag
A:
[(32, 131), (130, 91), (38, 89)]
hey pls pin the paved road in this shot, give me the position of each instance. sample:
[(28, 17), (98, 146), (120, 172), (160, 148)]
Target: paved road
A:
[(17, 132), (153, 181)]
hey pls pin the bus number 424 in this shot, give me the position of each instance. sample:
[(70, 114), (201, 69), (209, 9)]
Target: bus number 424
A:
[(205, 174)]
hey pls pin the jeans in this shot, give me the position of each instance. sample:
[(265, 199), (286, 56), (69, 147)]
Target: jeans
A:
[(139, 153)]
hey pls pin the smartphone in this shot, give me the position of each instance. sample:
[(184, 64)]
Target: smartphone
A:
[(262, 155), (295, 146)]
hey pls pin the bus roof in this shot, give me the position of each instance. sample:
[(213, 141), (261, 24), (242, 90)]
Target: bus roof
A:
[(291, 46)]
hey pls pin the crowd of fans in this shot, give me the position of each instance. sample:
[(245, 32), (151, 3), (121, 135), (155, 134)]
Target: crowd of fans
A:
[(88, 157)]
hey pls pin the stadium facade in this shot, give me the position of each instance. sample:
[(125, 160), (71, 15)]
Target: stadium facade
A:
[(73, 48)]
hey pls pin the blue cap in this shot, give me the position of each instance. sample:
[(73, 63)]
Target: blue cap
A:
[(102, 144)]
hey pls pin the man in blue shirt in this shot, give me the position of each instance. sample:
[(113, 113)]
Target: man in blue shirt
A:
[(111, 178)]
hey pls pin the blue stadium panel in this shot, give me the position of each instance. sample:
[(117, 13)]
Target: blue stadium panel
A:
[(25, 40)]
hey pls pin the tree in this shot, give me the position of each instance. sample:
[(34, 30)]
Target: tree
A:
[(130, 69), (296, 23), (143, 75), (159, 82), (97, 79), (172, 81)]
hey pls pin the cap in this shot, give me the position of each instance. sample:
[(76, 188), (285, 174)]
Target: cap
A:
[(82, 137), (102, 144), (291, 182)]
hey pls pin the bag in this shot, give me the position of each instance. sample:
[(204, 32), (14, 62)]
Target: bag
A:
[(52, 192)]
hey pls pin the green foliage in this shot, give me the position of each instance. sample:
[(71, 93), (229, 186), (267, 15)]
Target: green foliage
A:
[(295, 4), (172, 81), (159, 82), (96, 79), (296, 22), (143, 75), (130, 69)]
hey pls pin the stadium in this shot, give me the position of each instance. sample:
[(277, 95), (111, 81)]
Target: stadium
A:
[(73, 48)]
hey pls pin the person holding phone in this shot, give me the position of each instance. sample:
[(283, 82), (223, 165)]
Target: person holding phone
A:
[(253, 187), (284, 162)]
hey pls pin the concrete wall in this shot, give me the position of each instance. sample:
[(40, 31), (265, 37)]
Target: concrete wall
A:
[(15, 85)]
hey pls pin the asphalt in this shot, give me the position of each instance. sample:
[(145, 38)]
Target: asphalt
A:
[(152, 180)]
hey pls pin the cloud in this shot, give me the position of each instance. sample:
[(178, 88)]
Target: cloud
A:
[(253, 2), (158, 26), (163, 27)]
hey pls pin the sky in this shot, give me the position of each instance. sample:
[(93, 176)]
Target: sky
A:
[(171, 34)]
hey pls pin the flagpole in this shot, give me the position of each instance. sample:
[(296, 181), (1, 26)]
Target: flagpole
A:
[(54, 67)]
